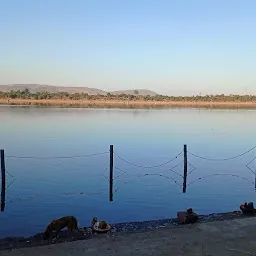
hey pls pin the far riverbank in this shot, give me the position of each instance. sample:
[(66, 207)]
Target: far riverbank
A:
[(128, 104)]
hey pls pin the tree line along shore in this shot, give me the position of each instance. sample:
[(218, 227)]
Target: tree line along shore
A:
[(44, 97)]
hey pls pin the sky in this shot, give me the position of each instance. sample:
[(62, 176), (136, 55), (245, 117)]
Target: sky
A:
[(175, 47)]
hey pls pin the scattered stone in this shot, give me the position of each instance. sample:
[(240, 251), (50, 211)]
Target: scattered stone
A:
[(187, 217), (248, 208), (113, 230)]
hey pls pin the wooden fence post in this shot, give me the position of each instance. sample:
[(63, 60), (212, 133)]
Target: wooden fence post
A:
[(3, 181), (111, 169), (185, 169)]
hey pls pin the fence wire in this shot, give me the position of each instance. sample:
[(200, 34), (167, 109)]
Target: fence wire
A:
[(120, 172), (219, 174), (223, 159), (56, 157), (248, 166), (147, 167), (42, 196), (150, 174)]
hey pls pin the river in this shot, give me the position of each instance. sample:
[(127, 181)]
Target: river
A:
[(57, 163)]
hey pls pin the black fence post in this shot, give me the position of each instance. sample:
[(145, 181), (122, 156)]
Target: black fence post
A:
[(3, 181), (185, 169), (111, 169)]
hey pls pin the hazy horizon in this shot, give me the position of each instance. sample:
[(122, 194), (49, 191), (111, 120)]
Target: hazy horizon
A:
[(170, 47)]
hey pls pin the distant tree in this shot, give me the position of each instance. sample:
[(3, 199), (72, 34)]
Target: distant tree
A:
[(131, 97), (26, 91), (26, 94), (75, 96), (147, 97), (13, 94)]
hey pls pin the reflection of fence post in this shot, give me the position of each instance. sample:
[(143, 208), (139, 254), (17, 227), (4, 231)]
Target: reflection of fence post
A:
[(111, 168), (3, 181), (255, 181), (185, 169)]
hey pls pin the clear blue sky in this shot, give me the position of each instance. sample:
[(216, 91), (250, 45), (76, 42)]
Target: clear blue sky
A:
[(174, 47)]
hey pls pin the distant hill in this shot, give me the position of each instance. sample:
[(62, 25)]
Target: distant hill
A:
[(50, 88), (91, 91)]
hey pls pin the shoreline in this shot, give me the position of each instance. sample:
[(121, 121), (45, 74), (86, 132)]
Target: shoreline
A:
[(10, 243), (223, 238), (128, 104)]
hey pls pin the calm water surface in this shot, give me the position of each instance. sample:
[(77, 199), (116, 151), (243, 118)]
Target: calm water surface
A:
[(47, 188)]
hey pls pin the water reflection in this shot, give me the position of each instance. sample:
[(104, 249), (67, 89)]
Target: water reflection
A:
[(45, 189)]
